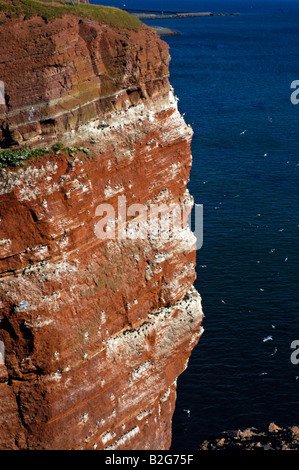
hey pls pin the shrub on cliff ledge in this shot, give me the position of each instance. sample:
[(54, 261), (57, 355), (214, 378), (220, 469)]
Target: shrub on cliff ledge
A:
[(18, 157), (29, 8)]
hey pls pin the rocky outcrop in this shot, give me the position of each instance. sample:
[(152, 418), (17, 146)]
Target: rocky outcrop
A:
[(66, 72), (95, 331), (272, 438)]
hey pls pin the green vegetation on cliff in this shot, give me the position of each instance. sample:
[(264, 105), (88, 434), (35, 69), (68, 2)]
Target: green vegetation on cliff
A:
[(49, 11), (17, 157)]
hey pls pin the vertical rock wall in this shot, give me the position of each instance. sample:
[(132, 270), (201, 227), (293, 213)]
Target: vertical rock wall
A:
[(95, 331)]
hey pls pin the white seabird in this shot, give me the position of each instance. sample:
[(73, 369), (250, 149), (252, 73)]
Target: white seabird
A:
[(268, 338)]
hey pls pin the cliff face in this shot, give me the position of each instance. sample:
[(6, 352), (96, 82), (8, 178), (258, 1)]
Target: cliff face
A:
[(95, 331)]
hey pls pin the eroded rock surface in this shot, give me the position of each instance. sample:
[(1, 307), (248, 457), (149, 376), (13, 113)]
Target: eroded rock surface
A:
[(272, 438), (95, 331)]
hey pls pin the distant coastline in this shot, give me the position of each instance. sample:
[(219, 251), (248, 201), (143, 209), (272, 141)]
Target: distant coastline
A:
[(166, 15)]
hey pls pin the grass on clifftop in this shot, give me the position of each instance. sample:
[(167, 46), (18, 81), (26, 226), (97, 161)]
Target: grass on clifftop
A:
[(29, 8)]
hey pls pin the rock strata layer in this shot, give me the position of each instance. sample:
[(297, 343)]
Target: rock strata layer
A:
[(94, 331)]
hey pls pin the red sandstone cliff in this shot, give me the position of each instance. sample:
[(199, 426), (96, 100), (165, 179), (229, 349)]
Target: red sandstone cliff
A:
[(95, 331)]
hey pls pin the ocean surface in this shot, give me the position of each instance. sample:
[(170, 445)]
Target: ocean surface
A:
[(233, 74)]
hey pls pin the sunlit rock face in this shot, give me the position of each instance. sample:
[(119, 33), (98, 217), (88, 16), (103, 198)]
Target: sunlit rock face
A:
[(94, 332)]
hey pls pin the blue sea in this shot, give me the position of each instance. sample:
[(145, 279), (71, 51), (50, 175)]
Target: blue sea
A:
[(232, 75)]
